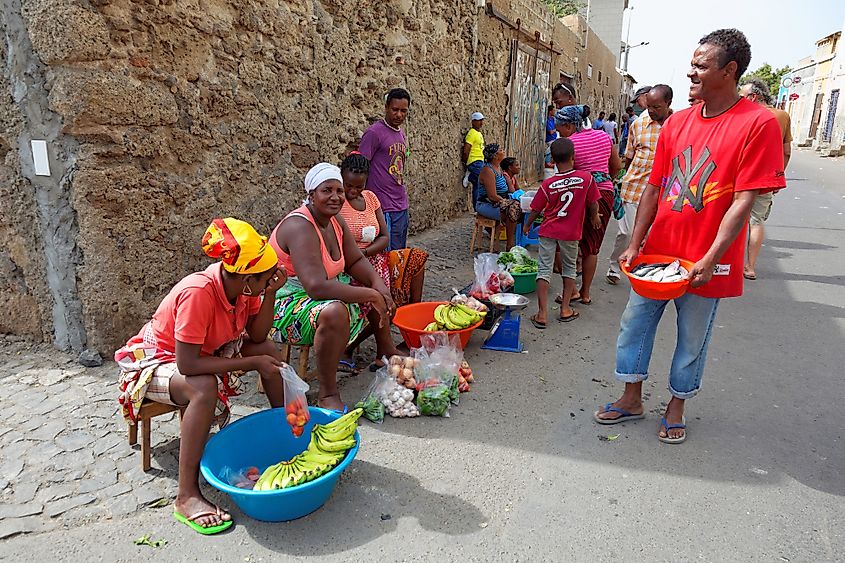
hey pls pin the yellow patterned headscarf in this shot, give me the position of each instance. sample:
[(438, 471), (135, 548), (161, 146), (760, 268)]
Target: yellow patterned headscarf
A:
[(241, 249)]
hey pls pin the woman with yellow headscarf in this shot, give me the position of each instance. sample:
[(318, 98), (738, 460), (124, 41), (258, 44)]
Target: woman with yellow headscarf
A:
[(212, 325)]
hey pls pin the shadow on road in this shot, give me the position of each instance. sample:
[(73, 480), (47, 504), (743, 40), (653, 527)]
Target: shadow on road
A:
[(368, 502)]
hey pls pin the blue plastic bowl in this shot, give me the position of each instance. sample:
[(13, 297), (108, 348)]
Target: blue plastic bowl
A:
[(261, 440)]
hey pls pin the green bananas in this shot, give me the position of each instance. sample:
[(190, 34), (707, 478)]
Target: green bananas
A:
[(328, 446), (454, 316)]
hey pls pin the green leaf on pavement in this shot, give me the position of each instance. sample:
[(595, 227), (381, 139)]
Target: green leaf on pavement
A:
[(160, 503), (145, 540)]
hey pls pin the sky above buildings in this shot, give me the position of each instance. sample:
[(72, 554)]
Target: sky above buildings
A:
[(780, 32)]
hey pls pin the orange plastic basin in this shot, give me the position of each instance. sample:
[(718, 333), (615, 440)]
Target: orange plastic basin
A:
[(412, 319), (653, 289)]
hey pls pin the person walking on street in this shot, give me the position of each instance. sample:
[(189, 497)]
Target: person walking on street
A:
[(594, 154), (473, 153), (711, 162), (611, 127), (384, 145), (599, 122), (639, 158), (627, 120), (757, 91), (639, 100)]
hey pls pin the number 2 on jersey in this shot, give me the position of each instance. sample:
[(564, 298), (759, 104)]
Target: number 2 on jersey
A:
[(566, 200)]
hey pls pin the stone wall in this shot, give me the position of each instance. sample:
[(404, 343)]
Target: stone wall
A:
[(160, 115)]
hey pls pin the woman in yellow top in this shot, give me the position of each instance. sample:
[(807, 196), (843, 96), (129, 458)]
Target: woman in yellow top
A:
[(473, 153)]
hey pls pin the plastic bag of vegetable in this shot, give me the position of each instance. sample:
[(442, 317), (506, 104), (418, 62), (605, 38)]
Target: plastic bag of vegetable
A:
[(243, 478), (371, 403), (517, 261), (486, 276), (296, 406), (398, 400), (440, 357), (434, 400)]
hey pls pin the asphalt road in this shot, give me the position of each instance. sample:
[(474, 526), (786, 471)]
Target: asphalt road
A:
[(519, 472)]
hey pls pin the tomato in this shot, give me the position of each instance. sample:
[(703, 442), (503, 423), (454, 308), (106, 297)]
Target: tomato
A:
[(290, 408), (297, 431), (291, 418), (301, 420)]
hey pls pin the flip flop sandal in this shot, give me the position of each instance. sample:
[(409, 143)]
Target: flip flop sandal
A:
[(624, 415), (559, 300), (587, 302), (190, 521), (347, 366), (374, 367), (536, 323), (751, 277), (666, 439), (570, 318), (612, 280)]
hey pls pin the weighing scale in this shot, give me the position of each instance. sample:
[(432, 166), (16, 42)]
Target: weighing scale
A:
[(504, 336)]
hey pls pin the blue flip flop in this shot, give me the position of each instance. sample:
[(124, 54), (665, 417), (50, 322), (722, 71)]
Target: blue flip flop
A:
[(624, 415), (668, 427)]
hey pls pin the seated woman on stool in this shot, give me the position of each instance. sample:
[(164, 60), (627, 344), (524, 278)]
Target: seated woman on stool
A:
[(317, 306), (187, 353), (494, 201)]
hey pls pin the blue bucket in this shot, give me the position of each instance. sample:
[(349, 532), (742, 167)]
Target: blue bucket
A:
[(261, 440)]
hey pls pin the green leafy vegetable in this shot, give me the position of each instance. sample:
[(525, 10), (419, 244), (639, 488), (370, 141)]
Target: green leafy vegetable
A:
[(373, 409), (506, 258), (434, 400)]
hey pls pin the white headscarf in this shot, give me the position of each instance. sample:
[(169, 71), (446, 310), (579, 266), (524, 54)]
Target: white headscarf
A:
[(319, 173)]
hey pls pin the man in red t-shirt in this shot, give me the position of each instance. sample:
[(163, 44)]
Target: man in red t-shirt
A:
[(712, 160), (563, 200)]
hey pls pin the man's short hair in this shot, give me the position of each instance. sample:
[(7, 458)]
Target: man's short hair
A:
[(629, 109), (397, 94), (562, 150), (758, 87), (734, 47), (663, 90)]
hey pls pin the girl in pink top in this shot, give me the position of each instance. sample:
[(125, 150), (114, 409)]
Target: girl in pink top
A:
[(318, 306)]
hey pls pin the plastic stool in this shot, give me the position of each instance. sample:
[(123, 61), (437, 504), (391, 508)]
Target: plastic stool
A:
[(531, 238)]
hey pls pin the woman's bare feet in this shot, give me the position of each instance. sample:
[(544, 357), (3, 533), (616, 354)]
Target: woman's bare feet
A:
[(331, 402), (193, 504)]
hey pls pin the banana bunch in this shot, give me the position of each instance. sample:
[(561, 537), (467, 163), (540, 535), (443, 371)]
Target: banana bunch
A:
[(454, 316), (329, 444)]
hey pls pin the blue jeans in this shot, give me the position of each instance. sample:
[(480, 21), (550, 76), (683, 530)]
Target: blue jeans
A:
[(487, 209), (397, 229), (474, 170), (636, 340)]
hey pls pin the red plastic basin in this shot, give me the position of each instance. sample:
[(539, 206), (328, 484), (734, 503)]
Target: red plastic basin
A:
[(657, 290), (412, 319)]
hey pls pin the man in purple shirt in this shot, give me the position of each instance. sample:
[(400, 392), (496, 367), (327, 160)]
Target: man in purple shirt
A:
[(384, 145)]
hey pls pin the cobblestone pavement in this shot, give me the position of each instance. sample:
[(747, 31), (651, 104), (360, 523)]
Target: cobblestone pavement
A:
[(65, 458)]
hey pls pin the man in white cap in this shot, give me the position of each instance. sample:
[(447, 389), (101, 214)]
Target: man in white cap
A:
[(473, 154)]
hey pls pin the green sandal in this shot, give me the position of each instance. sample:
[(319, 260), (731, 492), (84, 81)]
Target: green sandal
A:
[(204, 530)]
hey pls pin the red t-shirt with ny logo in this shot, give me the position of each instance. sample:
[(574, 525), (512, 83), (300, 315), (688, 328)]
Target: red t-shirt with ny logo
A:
[(699, 164)]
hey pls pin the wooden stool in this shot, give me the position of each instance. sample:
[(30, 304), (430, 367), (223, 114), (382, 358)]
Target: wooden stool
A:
[(149, 410), (481, 223), (302, 364)]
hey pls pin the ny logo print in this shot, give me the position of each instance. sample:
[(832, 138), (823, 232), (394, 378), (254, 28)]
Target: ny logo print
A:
[(685, 177)]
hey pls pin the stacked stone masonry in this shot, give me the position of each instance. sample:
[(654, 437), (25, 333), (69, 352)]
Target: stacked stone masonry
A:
[(161, 115)]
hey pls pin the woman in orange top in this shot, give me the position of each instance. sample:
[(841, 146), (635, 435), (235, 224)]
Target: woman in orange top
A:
[(365, 219), (211, 323), (317, 305)]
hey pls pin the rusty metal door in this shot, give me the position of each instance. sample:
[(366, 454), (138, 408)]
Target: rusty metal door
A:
[(817, 115), (529, 98)]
